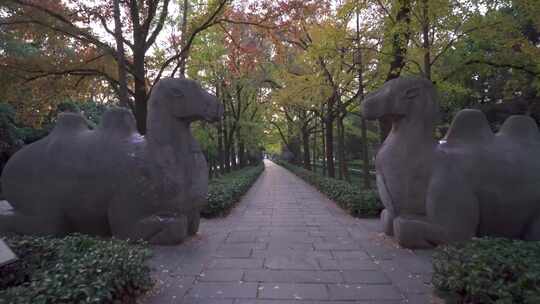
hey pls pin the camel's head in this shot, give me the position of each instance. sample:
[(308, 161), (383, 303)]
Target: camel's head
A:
[(402, 97), (186, 100)]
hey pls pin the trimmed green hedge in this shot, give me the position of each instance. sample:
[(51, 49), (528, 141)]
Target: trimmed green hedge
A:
[(74, 269), (350, 197), (488, 270), (225, 191)]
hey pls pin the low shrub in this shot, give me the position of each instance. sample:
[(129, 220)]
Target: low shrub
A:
[(225, 191), (488, 270), (74, 269), (360, 203)]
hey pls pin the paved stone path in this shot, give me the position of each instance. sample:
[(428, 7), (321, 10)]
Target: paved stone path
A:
[(287, 243)]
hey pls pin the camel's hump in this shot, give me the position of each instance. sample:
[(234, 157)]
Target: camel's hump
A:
[(520, 127), (469, 126), (118, 121), (70, 123)]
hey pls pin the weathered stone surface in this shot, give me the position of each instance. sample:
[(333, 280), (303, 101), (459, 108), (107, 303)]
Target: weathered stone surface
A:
[(171, 289), (224, 290), (112, 180), (345, 264), (293, 291), (221, 275), (364, 292), (465, 185), (291, 262), (365, 277), (293, 276), (239, 263)]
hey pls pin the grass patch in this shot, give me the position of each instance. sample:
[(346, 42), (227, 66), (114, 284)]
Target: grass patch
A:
[(224, 192), (488, 270), (74, 269), (359, 203)]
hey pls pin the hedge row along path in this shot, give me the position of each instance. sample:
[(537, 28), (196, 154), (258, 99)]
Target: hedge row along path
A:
[(287, 243)]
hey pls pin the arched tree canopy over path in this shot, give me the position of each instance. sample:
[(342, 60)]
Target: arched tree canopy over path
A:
[(291, 73)]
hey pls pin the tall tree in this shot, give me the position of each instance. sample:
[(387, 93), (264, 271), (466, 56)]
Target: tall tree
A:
[(145, 21), (398, 40)]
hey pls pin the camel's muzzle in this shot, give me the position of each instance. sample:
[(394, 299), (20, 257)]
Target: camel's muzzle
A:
[(372, 107), (214, 111)]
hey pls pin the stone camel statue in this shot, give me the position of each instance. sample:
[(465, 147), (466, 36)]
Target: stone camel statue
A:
[(471, 183), (111, 180)]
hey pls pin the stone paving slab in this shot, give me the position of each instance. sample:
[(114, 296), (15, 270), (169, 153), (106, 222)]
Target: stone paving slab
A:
[(287, 243), (293, 276)]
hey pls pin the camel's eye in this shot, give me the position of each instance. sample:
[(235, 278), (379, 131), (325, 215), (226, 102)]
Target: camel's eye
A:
[(177, 92), (412, 93)]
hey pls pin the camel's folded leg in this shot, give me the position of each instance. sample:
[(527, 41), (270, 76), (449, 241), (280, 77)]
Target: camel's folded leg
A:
[(132, 221), (426, 232), (417, 232), (452, 207), (156, 229), (387, 222), (164, 230), (452, 212), (194, 218)]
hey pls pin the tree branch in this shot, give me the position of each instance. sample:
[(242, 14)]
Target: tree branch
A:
[(208, 23), (159, 26)]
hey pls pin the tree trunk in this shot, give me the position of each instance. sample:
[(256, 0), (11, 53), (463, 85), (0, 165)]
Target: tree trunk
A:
[(221, 152), (139, 71), (339, 150), (305, 144), (425, 37), (329, 136), (314, 148), (323, 149), (241, 152), (343, 167), (360, 70), (122, 74), (140, 81), (183, 60), (219, 127), (248, 154), (209, 163), (400, 40), (365, 156), (227, 143), (227, 158), (234, 164), (141, 110)]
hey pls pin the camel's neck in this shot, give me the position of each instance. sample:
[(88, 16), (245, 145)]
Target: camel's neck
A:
[(404, 162), (411, 131), (164, 130)]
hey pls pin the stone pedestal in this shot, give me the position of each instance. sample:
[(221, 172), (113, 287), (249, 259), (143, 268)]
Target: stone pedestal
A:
[(6, 254)]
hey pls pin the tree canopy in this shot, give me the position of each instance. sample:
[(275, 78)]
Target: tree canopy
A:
[(291, 74)]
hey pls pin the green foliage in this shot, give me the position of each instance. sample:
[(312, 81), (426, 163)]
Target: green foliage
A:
[(12, 131), (225, 191), (74, 269), (489, 270), (68, 106), (351, 198), (91, 110), (9, 133)]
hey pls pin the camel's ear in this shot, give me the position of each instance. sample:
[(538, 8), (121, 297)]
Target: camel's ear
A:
[(412, 93)]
